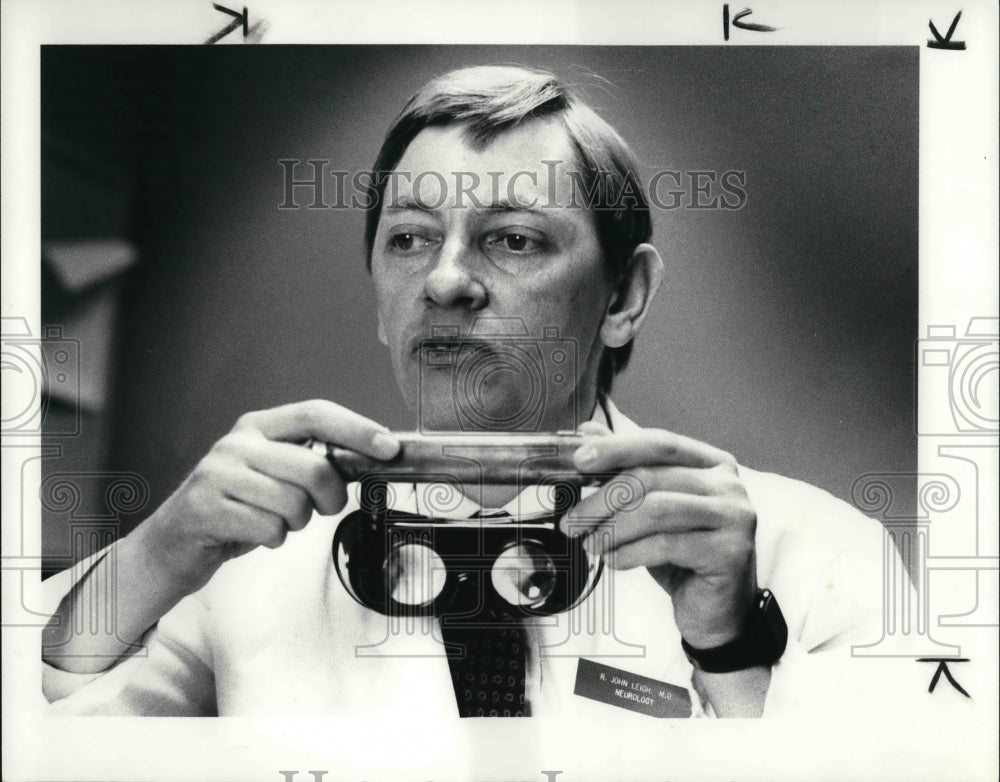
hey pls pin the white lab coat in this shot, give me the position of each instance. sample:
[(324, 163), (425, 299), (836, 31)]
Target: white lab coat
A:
[(275, 634)]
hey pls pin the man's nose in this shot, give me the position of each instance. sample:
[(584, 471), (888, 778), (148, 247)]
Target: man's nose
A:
[(454, 279)]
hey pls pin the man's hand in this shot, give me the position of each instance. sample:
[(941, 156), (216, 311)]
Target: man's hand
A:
[(253, 487), (693, 530), (257, 484)]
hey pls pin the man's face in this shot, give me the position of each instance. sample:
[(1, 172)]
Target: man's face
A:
[(468, 255)]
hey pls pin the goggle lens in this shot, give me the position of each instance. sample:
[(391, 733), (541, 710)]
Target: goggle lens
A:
[(414, 574), (524, 575)]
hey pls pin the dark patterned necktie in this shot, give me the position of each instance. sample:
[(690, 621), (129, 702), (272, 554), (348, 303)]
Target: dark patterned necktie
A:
[(487, 667), (488, 657)]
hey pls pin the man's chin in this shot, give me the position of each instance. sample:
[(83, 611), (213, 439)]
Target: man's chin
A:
[(438, 421), (507, 413)]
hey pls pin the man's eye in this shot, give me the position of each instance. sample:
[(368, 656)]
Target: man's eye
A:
[(408, 242), (517, 243)]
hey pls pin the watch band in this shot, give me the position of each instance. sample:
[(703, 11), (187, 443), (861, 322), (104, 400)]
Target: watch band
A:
[(761, 642)]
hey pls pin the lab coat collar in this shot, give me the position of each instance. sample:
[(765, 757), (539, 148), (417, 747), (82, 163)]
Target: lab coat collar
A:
[(441, 500)]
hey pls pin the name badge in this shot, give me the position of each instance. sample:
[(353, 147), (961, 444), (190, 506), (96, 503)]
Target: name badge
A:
[(631, 691)]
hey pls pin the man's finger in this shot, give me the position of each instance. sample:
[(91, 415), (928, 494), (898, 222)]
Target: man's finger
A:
[(254, 526), (688, 550), (626, 492), (648, 447), (323, 420), (301, 467), (662, 512), (285, 499), (621, 492), (593, 427)]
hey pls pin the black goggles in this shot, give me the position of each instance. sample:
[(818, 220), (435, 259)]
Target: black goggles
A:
[(406, 564), (401, 563)]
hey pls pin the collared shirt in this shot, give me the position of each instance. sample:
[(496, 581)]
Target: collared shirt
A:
[(274, 633)]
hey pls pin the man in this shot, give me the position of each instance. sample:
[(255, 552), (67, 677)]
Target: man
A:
[(228, 589)]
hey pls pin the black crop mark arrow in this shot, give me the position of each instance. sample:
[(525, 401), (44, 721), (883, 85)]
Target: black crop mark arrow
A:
[(758, 28), (738, 22), (946, 42), (943, 668), (240, 19)]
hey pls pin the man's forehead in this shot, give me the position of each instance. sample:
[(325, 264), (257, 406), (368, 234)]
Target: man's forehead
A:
[(522, 160), (534, 139)]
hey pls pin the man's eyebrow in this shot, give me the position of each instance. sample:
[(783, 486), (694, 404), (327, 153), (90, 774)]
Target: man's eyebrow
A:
[(401, 203), (502, 206), (515, 206)]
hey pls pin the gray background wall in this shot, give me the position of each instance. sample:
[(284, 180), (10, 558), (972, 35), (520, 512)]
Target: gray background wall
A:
[(784, 334)]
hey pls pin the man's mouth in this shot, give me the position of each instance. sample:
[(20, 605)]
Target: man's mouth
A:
[(448, 353), (440, 344), (451, 344), (482, 333)]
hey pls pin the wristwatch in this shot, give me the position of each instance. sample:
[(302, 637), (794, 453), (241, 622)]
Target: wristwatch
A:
[(761, 642)]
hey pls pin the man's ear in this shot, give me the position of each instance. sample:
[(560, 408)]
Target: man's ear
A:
[(381, 332), (631, 300)]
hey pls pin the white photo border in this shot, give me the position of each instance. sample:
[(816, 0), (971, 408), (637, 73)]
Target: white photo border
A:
[(958, 246)]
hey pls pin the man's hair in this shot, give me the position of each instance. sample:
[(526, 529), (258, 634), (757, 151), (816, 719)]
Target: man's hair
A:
[(489, 100)]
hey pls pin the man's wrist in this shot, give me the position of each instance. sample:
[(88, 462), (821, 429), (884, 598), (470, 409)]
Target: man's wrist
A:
[(761, 641), (169, 575)]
